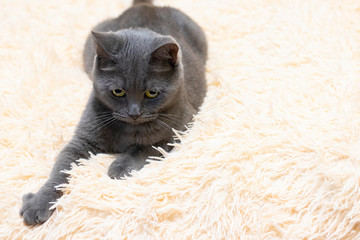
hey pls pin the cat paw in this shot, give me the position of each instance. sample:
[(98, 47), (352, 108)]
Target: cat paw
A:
[(123, 166), (118, 170), (35, 209)]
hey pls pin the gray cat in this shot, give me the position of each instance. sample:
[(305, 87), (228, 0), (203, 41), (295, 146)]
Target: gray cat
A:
[(148, 73)]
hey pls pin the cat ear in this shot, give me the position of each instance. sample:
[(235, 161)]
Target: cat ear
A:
[(107, 46), (165, 57)]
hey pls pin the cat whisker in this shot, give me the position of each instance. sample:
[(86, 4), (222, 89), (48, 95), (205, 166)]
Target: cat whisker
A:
[(176, 122), (178, 118), (106, 115), (105, 122), (118, 115), (163, 124), (175, 116)]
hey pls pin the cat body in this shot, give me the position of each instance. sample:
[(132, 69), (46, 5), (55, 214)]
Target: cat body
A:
[(148, 72)]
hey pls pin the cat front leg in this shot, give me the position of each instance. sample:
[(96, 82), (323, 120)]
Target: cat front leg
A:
[(36, 207), (133, 159)]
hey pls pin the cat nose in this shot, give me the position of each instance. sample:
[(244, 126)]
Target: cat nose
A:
[(134, 111)]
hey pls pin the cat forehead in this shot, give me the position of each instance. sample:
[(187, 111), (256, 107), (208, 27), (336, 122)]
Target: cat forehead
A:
[(135, 51), (140, 39), (131, 68), (138, 34), (134, 55), (130, 51)]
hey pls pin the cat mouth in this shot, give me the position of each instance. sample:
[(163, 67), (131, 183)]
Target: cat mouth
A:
[(135, 121)]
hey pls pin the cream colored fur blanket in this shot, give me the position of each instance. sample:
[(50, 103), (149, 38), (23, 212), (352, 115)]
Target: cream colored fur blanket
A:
[(273, 154)]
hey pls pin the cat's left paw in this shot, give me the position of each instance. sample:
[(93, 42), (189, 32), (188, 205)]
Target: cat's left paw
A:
[(36, 208), (123, 166)]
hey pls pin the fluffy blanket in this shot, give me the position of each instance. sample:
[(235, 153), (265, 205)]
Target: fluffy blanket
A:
[(273, 154)]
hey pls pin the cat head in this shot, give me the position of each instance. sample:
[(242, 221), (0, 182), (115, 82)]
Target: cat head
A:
[(137, 73)]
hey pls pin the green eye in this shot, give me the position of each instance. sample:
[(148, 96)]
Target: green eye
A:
[(118, 92), (151, 94)]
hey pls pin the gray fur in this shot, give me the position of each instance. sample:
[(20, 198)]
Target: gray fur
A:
[(143, 2), (145, 48)]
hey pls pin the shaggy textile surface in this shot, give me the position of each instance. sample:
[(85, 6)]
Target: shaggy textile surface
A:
[(273, 154)]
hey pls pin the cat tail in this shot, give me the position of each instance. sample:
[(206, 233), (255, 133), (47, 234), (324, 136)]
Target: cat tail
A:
[(135, 2)]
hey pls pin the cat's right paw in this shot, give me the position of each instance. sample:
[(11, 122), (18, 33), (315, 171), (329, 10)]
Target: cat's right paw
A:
[(118, 170), (35, 209), (124, 165)]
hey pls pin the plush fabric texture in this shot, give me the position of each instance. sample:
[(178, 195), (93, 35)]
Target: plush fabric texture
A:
[(273, 154)]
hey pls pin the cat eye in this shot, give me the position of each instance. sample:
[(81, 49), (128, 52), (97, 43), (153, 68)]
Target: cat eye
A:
[(151, 94), (118, 92)]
